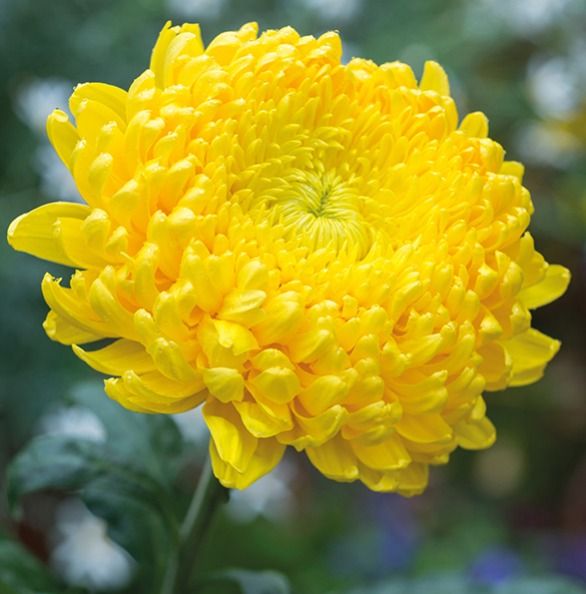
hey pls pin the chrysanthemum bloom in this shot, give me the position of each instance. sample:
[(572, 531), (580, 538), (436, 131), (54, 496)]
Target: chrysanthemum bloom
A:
[(318, 252)]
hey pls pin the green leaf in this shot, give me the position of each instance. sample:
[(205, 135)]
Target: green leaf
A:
[(250, 582), (72, 464), (138, 509), (133, 526), (20, 571), (127, 480), (53, 462), (151, 442)]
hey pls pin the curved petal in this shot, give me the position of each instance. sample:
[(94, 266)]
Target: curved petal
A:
[(267, 455), (63, 136), (62, 330), (335, 460), (408, 481), (118, 357), (391, 454), (36, 232), (530, 352), (553, 285), (69, 306)]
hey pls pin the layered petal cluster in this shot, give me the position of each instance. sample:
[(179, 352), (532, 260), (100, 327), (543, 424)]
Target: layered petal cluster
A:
[(321, 253)]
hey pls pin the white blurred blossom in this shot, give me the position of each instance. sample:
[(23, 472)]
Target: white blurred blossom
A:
[(56, 180), (528, 17), (73, 421), (553, 87), (196, 9), (270, 497), (350, 50), (500, 469), (575, 56), (544, 144), (337, 11), (38, 97), (84, 555), (34, 100)]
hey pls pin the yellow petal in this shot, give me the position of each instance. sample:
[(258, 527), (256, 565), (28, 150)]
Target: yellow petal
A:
[(373, 422), (110, 310), (390, 454), (475, 125), (234, 444), (322, 427), (495, 366), (263, 420), (283, 314), (413, 479), (401, 74), (554, 285), (243, 307), (475, 434), (234, 337), (146, 263), (310, 346), (224, 46), (108, 95), (530, 352), (159, 53), (154, 385), (271, 358), (226, 384), (425, 394), (379, 480), (276, 384), (266, 456), (172, 43), (252, 276), (170, 360), (323, 393), (168, 318), (63, 136), (117, 358), (408, 481), (74, 241), (63, 331), (143, 393), (335, 460), (313, 430), (513, 168), (116, 390), (424, 428), (77, 312), (35, 232), (434, 79)]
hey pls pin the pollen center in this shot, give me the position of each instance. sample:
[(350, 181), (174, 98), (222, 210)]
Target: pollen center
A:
[(319, 210)]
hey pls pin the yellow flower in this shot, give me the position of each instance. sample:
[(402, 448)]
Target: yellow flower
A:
[(319, 252)]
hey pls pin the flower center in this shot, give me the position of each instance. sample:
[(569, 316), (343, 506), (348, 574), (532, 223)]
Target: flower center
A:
[(319, 210)]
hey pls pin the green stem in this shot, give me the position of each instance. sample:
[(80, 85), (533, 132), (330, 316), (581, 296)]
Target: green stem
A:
[(208, 494)]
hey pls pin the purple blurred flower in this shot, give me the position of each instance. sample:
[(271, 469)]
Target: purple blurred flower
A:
[(386, 544), (398, 531), (569, 556), (495, 565)]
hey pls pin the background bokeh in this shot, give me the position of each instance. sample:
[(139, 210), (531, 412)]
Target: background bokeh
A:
[(508, 515)]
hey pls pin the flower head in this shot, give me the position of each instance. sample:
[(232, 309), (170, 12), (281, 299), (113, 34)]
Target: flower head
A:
[(321, 253)]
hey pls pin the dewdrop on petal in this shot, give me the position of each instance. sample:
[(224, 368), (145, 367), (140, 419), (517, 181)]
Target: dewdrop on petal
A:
[(324, 256)]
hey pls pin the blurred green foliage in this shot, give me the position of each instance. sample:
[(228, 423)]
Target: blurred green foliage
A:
[(493, 522)]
